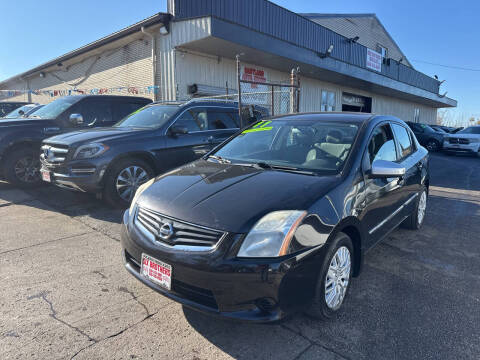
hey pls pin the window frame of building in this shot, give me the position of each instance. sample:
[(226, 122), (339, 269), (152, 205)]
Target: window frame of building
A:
[(382, 50), (416, 115), (329, 101)]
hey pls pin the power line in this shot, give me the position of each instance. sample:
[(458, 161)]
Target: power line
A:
[(447, 66)]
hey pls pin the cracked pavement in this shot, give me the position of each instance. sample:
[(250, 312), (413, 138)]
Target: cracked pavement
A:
[(66, 295)]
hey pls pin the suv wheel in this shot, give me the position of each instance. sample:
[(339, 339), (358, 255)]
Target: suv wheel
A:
[(433, 145), (123, 180), (334, 279), (416, 219), (22, 168)]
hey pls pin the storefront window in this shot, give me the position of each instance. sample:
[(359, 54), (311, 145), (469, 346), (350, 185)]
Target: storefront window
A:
[(328, 101)]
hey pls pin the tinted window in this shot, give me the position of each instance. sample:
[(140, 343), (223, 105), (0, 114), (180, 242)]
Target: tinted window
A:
[(55, 108), (221, 119), (95, 112), (122, 109), (382, 145), (193, 120), (403, 139)]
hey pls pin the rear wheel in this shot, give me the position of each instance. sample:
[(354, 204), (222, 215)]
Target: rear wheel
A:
[(123, 180), (417, 218), (433, 145), (334, 279), (22, 168)]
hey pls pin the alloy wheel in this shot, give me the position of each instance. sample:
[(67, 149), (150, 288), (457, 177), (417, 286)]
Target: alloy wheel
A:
[(27, 170), (432, 145), (422, 207), (337, 278), (129, 180)]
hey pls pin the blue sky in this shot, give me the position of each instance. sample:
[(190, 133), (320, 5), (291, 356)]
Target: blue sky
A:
[(436, 31)]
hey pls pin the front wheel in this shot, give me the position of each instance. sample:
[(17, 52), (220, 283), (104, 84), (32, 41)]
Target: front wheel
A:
[(22, 168), (123, 180), (433, 145), (416, 219), (334, 279)]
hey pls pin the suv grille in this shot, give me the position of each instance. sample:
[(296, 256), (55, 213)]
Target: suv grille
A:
[(458, 141), (54, 154), (175, 233)]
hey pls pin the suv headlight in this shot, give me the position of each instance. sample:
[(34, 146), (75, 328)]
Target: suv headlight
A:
[(90, 150), (272, 234), (139, 192)]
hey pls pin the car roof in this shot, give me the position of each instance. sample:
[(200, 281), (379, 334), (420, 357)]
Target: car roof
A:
[(108, 96), (347, 117)]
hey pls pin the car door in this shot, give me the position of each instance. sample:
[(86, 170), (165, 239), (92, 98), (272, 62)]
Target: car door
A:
[(96, 112), (383, 196), (183, 148), (222, 123), (413, 164)]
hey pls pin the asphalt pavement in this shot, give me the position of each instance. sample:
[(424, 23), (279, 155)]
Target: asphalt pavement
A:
[(65, 293)]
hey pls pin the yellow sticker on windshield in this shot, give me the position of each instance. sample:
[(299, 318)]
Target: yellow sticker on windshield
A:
[(261, 126)]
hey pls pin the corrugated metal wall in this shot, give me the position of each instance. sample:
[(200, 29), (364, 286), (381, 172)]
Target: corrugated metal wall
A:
[(271, 19)]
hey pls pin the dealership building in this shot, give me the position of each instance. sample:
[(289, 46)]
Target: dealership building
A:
[(347, 62)]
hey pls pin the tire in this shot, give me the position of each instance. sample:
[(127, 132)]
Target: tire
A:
[(415, 220), (120, 170), (320, 308), (22, 168), (433, 145)]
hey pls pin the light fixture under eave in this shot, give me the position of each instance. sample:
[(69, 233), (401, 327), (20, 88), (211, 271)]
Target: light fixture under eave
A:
[(42, 74), (163, 30), (354, 39), (327, 53)]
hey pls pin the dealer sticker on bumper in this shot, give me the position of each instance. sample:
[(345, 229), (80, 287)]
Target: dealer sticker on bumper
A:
[(46, 176), (157, 271)]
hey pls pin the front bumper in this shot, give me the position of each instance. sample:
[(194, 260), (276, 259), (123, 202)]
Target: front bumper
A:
[(219, 284), (471, 148), (78, 175)]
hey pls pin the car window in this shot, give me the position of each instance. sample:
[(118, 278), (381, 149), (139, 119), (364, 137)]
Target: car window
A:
[(222, 119), (382, 145), (121, 109), (193, 120), (404, 141), (153, 116), (55, 108), (95, 112)]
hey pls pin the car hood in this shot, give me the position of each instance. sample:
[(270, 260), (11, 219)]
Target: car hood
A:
[(78, 137), (4, 122), (231, 197)]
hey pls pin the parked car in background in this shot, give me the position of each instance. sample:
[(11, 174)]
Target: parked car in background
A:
[(440, 129), (32, 110), (7, 107), (426, 136), (466, 141), (277, 219), (447, 129), (116, 161), (20, 138), (22, 111)]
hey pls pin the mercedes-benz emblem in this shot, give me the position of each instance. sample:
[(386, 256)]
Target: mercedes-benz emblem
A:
[(166, 231)]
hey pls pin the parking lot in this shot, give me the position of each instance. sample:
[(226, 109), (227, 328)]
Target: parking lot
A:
[(65, 293)]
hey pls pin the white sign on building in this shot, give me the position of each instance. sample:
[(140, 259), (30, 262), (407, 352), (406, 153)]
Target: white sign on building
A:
[(374, 60)]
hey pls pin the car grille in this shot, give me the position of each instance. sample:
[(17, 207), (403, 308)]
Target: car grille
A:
[(458, 141), (54, 154), (177, 233)]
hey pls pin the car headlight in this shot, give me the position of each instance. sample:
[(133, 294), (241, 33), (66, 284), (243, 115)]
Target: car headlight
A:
[(90, 150), (272, 234), (139, 192)]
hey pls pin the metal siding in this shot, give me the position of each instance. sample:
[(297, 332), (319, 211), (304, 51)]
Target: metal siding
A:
[(271, 19)]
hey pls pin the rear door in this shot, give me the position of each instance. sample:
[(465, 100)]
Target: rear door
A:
[(383, 196)]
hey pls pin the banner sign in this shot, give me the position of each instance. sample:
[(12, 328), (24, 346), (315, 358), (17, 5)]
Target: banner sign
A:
[(252, 74), (374, 60)]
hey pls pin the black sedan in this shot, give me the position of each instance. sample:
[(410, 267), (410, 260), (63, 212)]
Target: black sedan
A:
[(278, 218)]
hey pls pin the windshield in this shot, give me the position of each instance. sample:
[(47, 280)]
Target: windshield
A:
[(470, 130), (309, 145), (149, 117), (16, 113), (55, 108)]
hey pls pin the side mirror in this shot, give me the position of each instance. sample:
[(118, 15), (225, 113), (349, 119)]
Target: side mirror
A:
[(387, 169), (178, 130), (76, 119)]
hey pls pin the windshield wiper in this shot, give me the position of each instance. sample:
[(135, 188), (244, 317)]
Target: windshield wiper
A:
[(34, 117), (293, 169), (220, 159)]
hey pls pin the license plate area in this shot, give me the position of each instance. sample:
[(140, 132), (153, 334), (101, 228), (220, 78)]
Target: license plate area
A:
[(46, 176), (156, 271)]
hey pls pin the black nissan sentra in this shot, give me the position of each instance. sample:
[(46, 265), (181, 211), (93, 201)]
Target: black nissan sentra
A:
[(278, 218)]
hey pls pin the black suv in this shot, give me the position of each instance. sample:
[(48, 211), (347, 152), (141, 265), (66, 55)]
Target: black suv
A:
[(20, 138), (115, 161), (426, 136), (8, 106)]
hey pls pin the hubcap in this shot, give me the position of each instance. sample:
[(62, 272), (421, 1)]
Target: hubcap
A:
[(432, 146), (27, 169), (337, 279), (422, 207), (129, 180)]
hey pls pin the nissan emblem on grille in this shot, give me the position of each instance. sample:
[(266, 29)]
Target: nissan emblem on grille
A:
[(166, 231)]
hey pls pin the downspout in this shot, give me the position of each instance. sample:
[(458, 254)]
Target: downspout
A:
[(154, 61)]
